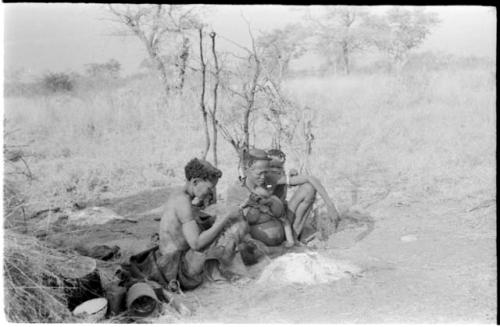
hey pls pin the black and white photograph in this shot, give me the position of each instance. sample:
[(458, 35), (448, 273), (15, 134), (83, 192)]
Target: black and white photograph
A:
[(257, 164)]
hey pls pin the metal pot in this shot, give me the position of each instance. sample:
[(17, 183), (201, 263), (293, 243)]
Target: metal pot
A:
[(141, 300)]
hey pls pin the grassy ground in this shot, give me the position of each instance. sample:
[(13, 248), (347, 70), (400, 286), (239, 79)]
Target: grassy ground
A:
[(427, 137), (431, 133)]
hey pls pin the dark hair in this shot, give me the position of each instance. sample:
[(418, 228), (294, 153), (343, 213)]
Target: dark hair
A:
[(248, 158), (277, 157), (276, 153), (198, 168)]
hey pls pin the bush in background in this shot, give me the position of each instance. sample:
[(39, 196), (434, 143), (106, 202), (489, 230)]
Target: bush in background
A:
[(57, 82), (422, 132)]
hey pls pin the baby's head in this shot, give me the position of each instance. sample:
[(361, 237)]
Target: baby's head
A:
[(263, 191), (259, 195)]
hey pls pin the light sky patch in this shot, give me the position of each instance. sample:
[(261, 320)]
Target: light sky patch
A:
[(61, 37)]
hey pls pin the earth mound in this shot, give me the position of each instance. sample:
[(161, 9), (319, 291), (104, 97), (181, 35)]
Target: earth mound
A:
[(305, 268)]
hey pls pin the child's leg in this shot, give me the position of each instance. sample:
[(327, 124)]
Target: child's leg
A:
[(303, 212), (300, 206), (287, 226)]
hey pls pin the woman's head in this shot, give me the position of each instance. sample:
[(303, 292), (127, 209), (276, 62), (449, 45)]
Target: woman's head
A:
[(255, 164), (202, 177)]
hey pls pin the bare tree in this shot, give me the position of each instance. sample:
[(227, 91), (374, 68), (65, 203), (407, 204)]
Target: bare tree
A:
[(279, 47), (292, 125), (341, 31), (153, 24), (251, 93), (400, 30), (250, 83), (183, 58)]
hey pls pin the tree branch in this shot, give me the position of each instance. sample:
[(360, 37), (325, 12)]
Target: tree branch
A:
[(213, 112), (202, 97)]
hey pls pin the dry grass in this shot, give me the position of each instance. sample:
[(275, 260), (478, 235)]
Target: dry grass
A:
[(426, 133), (429, 134), (28, 272), (118, 143), (426, 136)]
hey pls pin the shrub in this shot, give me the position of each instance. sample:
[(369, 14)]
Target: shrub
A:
[(57, 82)]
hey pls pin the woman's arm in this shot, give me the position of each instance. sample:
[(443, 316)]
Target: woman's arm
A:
[(194, 237)]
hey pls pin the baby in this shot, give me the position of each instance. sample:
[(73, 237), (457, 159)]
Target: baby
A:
[(267, 204)]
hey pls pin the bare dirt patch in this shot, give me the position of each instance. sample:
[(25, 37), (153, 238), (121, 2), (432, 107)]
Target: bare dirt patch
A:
[(445, 272), (442, 277)]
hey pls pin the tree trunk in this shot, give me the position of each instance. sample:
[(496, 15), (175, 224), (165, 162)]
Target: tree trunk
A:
[(246, 125), (214, 108), (160, 66), (202, 98), (251, 102), (345, 57), (215, 98), (284, 70), (184, 58), (150, 40)]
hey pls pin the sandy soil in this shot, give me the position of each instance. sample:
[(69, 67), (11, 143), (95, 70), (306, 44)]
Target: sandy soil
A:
[(445, 273)]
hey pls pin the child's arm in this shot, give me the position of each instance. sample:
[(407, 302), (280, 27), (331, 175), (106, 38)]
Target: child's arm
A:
[(302, 179)]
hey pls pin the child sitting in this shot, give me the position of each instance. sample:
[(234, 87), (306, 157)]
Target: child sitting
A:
[(300, 204)]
